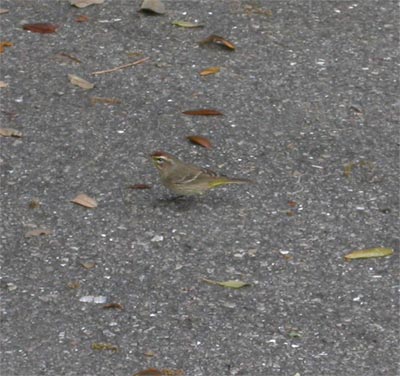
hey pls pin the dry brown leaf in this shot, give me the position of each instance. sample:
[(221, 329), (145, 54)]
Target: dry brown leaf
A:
[(4, 44), (38, 232), (203, 112), (149, 353), (140, 186), (85, 201), (3, 84), (200, 140), (88, 265), (292, 203), (77, 81), (42, 28), (113, 306), (85, 3), (94, 100), (218, 40), (104, 346), (208, 71), (3, 11), (153, 6), (82, 18), (74, 284), (10, 132), (35, 203)]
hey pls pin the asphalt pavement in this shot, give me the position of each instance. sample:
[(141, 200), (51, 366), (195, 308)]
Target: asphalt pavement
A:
[(310, 103)]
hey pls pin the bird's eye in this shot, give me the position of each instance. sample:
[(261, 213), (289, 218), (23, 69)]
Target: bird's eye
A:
[(160, 161)]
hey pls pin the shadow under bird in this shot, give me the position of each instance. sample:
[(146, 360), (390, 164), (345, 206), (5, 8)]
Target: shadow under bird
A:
[(186, 179)]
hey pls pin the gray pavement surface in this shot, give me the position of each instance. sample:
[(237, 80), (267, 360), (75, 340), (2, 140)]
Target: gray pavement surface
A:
[(311, 87)]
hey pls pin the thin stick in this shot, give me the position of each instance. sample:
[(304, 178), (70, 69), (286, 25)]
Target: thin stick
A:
[(121, 66)]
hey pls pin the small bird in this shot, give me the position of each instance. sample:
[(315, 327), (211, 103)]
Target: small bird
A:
[(186, 179)]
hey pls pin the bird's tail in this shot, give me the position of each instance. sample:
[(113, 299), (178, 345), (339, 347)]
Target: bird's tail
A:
[(223, 180)]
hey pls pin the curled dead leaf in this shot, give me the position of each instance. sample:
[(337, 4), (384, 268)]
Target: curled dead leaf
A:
[(208, 71), (85, 3), (37, 232), (77, 81), (10, 132), (85, 201), (216, 39), (153, 6), (42, 28), (203, 112), (369, 253), (140, 186), (3, 84), (4, 44), (82, 18), (3, 11), (200, 140), (113, 306)]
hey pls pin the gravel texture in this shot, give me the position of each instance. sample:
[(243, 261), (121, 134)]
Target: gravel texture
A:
[(311, 88)]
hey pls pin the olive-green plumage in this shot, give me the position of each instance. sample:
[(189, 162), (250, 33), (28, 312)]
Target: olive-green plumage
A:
[(186, 179)]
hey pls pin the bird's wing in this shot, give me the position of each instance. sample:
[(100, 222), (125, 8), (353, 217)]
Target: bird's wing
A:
[(189, 176)]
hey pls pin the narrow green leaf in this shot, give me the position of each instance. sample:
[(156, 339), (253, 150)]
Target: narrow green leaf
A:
[(186, 24), (233, 284), (369, 253)]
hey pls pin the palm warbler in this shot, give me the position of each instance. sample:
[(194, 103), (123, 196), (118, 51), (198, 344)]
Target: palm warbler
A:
[(186, 179)]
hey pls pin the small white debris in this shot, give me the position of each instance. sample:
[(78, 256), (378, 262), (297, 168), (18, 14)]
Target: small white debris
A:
[(157, 238), (11, 286), (93, 299)]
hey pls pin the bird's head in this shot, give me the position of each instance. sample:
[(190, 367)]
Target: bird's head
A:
[(163, 161)]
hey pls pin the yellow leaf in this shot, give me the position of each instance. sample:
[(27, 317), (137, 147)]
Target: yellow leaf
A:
[(186, 24), (233, 284), (369, 253), (104, 346), (208, 71)]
